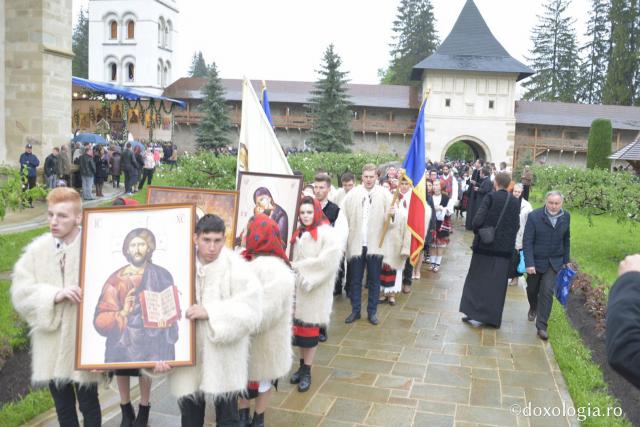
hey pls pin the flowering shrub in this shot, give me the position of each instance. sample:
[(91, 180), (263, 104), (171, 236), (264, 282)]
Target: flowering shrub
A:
[(595, 191), (206, 170)]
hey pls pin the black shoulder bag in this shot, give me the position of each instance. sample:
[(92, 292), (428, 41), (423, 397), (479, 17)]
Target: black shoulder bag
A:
[(488, 234)]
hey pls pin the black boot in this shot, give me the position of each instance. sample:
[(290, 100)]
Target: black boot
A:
[(245, 421), (128, 416), (143, 416), (295, 377), (258, 420), (305, 379)]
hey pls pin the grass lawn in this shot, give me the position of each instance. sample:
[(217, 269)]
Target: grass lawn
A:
[(17, 413), (11, 327), (11, 246), (599, 249)]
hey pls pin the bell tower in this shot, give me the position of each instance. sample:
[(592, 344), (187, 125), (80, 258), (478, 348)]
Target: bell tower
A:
[(131, 42)]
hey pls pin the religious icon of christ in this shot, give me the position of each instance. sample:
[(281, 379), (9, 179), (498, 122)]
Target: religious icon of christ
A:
[(122, 314)]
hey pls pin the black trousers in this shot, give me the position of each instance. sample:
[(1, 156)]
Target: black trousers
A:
[(127, 182), (147, 174), (340, 277), (64, 398), (525, 192), (192, 411), (540, 290)]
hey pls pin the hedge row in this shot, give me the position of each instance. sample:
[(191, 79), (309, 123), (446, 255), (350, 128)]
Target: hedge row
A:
[(595, 191)]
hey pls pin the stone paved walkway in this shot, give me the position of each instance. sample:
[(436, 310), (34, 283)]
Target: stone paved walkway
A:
[(421, 366)]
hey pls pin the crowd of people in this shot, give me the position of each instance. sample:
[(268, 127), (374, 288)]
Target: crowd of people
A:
[(89, 166), (254, 302)]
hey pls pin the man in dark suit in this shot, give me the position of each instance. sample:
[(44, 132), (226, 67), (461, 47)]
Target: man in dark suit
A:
[(546, 246), (623, 321), (129, 165), (321, 187)]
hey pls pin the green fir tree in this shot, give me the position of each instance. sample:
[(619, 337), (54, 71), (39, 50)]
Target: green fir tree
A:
[(213, 131), (554, 56), (595, 53), (198, 66), (623, 70), (80, 46), (329, 107), (415, 38)]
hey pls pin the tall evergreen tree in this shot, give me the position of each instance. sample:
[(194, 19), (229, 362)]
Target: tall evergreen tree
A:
[(554, 56), (620, 85), (213, 131), (329, 107), (198, 65), (595, 53), (415, 38), (80, 46)]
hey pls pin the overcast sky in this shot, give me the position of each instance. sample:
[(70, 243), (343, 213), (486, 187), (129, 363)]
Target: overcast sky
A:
[(285, 39)]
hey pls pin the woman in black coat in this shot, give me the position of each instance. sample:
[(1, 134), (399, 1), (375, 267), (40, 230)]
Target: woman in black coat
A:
[(102, 169), (485, 287)]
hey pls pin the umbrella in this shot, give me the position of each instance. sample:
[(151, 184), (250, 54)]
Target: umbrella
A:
[(135, 144), (92, 138)]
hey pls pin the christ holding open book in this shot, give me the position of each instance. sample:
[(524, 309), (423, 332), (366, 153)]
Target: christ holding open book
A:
[(138, 309)]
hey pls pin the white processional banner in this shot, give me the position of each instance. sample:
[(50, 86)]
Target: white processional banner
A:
[(258, 149)]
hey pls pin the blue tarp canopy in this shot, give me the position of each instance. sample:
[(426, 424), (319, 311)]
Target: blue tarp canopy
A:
[(125, 92)]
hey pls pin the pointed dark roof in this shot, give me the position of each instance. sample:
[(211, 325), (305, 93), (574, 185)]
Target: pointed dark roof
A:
[(471, 47), (630, 152)]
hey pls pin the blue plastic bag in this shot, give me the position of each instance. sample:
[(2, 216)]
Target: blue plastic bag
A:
[(521, 267), (563, 284)]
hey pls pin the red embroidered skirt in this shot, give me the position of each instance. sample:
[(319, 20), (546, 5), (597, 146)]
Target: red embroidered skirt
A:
[(304, 334)]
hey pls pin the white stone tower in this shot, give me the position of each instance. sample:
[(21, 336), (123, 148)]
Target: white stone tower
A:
[(473, 83), (131, 42)]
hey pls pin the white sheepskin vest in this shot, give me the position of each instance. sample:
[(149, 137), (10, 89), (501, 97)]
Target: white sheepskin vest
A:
[(271, 354), (316, 262), (37, 278), (232, 296), (353, 205)]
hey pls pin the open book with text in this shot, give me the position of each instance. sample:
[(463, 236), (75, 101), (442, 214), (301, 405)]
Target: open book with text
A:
[(159, 307)]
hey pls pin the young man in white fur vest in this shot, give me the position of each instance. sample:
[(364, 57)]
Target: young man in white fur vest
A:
[(366, 208), (45, 293), (270, 353), (228, 309)]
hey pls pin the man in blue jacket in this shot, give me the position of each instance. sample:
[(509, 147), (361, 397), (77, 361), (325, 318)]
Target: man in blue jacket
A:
[(29, 161), (546, 246)]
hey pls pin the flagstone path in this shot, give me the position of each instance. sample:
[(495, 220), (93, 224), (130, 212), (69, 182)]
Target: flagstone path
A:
[(421, 366)]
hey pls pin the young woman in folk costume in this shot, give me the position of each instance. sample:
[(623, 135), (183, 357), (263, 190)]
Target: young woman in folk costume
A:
[(430, 226), (443, 210), (316, 257), (396, 249), (270, 353)]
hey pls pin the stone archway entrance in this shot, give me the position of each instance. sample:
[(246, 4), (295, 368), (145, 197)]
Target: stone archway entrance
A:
[(475, 146)]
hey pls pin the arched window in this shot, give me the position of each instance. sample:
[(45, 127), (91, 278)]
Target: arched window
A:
[(113, 72), (113, 30), (167, 34), (131, 29), (131, 72), (164, 76), (167, 73), (160, 70), (161, 32)]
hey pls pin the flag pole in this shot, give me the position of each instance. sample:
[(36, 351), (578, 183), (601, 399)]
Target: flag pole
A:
[(396, 196)]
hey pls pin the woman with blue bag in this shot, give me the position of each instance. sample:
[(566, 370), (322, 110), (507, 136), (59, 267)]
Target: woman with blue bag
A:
[(517, 267)]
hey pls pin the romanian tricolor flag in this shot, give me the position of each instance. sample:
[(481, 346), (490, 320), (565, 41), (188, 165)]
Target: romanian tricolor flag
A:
[(265, 103), (414, 165)]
